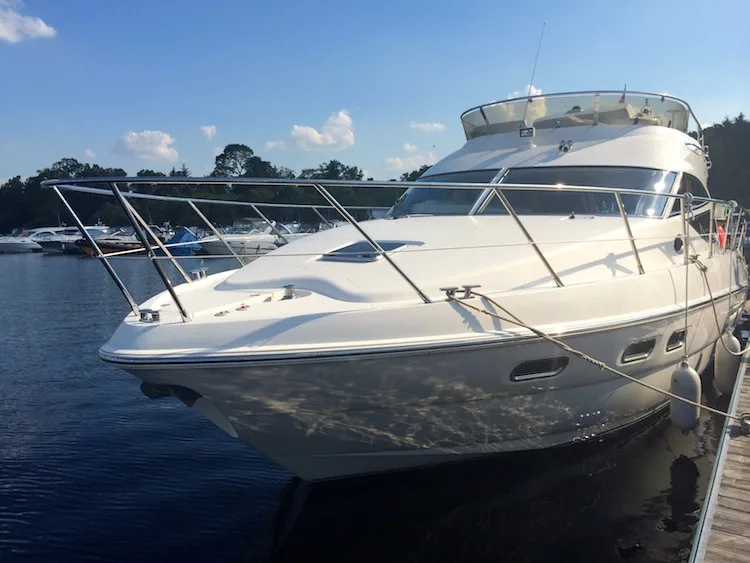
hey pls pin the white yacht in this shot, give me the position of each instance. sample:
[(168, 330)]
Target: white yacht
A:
[(335, 358), (27, 241), (253, 242), (63, 241)]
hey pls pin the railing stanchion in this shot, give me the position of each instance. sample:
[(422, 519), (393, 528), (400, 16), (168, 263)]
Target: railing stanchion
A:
[(630, 233), (353, 222), (512, 212), (214, 231), (270, 223), (319, 214), (711, 230), (737, 225), (150, 251), (164, 249), (99, 254)]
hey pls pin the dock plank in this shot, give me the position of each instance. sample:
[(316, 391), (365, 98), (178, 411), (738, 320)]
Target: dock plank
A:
[(724, 530)]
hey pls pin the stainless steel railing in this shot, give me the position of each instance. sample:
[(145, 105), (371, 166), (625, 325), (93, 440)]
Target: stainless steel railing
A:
[(735, 227)]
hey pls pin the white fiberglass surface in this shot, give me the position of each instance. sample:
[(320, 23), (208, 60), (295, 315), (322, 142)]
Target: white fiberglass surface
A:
[(453, 250)]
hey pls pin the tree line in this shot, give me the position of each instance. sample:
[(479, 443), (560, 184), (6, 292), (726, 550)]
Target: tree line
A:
[(23, 203)]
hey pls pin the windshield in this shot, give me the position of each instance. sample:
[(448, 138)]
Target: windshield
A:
[(554, 111), (437, 201), (543, 202)]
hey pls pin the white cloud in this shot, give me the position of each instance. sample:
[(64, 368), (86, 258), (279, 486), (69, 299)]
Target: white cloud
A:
[(366, 174), (218, 151), (427, 127), (88, 153), (15, 27), (536, 109), (529, 90), (209, 131), (707, 125), (276, 145), (337, 133), (410, 162), (147, 145), (408, 147)]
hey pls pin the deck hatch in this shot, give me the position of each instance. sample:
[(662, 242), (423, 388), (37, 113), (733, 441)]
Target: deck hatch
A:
[(538, 369), (362, 251)]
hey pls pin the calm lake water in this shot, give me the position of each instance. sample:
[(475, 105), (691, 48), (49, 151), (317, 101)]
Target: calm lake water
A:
[(92, 470)]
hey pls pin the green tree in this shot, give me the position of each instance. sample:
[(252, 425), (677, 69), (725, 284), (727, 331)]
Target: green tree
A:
[(239, 161), (414, 174), (332, 170), (183, 172), (146, 173)]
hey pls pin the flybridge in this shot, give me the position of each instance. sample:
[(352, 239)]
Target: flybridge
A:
[(575, 109)]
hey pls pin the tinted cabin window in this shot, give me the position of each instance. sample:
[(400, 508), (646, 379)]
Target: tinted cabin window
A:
[(701, 220), (545, 202), (436, 201), (692, 185)]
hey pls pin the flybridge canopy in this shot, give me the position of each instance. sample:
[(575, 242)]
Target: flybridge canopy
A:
[(553, 111)]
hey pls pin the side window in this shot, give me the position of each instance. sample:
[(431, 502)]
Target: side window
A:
[(701, 220), (692, 185)]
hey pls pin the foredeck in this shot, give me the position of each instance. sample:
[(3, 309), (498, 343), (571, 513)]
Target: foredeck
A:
[(724, 530)]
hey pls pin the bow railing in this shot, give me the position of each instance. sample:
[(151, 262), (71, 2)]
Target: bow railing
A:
[(122, 189)]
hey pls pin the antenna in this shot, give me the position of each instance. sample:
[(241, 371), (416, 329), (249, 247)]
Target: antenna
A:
[(533, 71)]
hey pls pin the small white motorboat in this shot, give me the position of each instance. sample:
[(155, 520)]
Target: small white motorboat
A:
[(64, 241), (27, 241)]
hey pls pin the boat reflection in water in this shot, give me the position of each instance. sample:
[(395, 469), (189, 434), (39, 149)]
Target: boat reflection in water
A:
[(634, 495), (615, 502)]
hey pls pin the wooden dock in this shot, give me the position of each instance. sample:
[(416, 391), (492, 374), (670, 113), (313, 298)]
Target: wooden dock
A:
[(723, 534)]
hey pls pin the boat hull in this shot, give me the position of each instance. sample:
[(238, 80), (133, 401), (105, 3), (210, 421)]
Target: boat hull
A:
[(247, 249), (107, 247), (19, 247), (332, 417)]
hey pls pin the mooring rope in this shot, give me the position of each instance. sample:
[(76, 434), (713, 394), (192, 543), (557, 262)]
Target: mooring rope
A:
[(742, 419), (703, 269)]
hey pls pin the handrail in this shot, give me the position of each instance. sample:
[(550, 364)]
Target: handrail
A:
[(624, 216), (210, 225), (512, 212), (102, 259), (159, 243), (331, 202), (345, 214), (62, 184), (144, 241), (158, 197)]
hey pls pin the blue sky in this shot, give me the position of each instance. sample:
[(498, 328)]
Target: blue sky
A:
[(379, 85)]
